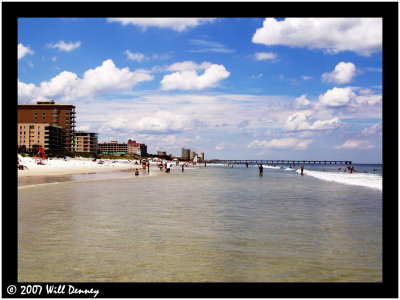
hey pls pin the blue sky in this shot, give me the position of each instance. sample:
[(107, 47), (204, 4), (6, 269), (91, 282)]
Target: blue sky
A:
[(234, 88)]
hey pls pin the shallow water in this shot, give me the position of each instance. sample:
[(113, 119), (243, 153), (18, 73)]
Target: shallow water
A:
[(213, 224)]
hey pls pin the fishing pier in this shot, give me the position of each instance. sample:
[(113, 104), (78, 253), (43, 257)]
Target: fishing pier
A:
[(281, 162)]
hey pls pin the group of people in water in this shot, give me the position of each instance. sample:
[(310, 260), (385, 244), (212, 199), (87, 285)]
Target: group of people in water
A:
[(166, 166), (350, 168)]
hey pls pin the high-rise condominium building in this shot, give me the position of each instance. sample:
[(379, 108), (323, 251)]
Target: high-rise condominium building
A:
[(185, 154), (53, 115)]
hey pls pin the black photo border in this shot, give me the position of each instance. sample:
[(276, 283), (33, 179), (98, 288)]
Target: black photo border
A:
[(388, 288)]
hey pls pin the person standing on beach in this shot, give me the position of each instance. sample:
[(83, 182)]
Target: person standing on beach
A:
[(302, 169), (260, 167), (183, 168)]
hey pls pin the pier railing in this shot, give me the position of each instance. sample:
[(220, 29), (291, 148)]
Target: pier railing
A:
[(277, 162)]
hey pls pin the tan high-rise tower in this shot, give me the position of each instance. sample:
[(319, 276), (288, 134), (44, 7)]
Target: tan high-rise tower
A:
[(54, 115)]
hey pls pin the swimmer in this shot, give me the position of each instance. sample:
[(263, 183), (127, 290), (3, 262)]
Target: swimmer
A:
[(260, 167), (302, 169)]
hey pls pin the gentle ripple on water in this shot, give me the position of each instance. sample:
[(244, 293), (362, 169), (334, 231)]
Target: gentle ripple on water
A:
[(210, 224)]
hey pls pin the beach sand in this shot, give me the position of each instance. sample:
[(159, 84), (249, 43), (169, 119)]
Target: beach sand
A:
[(59, 166)]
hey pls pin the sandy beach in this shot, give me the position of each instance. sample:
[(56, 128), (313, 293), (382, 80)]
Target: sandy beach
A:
[(59, 166)]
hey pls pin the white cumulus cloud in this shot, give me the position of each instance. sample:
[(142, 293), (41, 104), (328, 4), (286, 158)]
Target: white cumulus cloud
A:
[(186, 77), (361, 35), (343, 73), (337, 97), (369, 99), (375, 129), (302, 121), (285, 143), (63, 46), (161, 122), (135, 56), (302, 101), (68, 85), (264, 55), (356, 144), (23, 51), (164, 122), (177, 24)]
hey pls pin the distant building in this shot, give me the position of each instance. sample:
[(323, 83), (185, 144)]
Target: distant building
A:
[(85, 142), (192, 155), (201, 155), (51, 114), (161, 153), (112, 148), (136, 149), (185, 154), (31, 135)]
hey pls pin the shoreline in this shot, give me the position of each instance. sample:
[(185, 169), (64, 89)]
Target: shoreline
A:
[(57, 167)]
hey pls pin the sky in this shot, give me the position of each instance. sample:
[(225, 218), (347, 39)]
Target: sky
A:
[(233, 88)]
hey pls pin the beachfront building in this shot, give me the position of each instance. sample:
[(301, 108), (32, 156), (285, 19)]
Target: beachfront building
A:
[(201, 156), (136, 149), (85, 142), (32, 135), (192, 155), (51, 114), (112, 148), (185, 154)]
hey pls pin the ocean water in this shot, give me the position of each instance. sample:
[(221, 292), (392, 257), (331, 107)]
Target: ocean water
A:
[(206, 224)]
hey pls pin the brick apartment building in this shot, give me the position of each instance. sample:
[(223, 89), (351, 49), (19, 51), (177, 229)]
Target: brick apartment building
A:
[(137, 149), (51, 126)]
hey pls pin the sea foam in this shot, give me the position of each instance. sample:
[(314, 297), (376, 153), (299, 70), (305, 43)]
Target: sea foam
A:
[(361, 179)]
